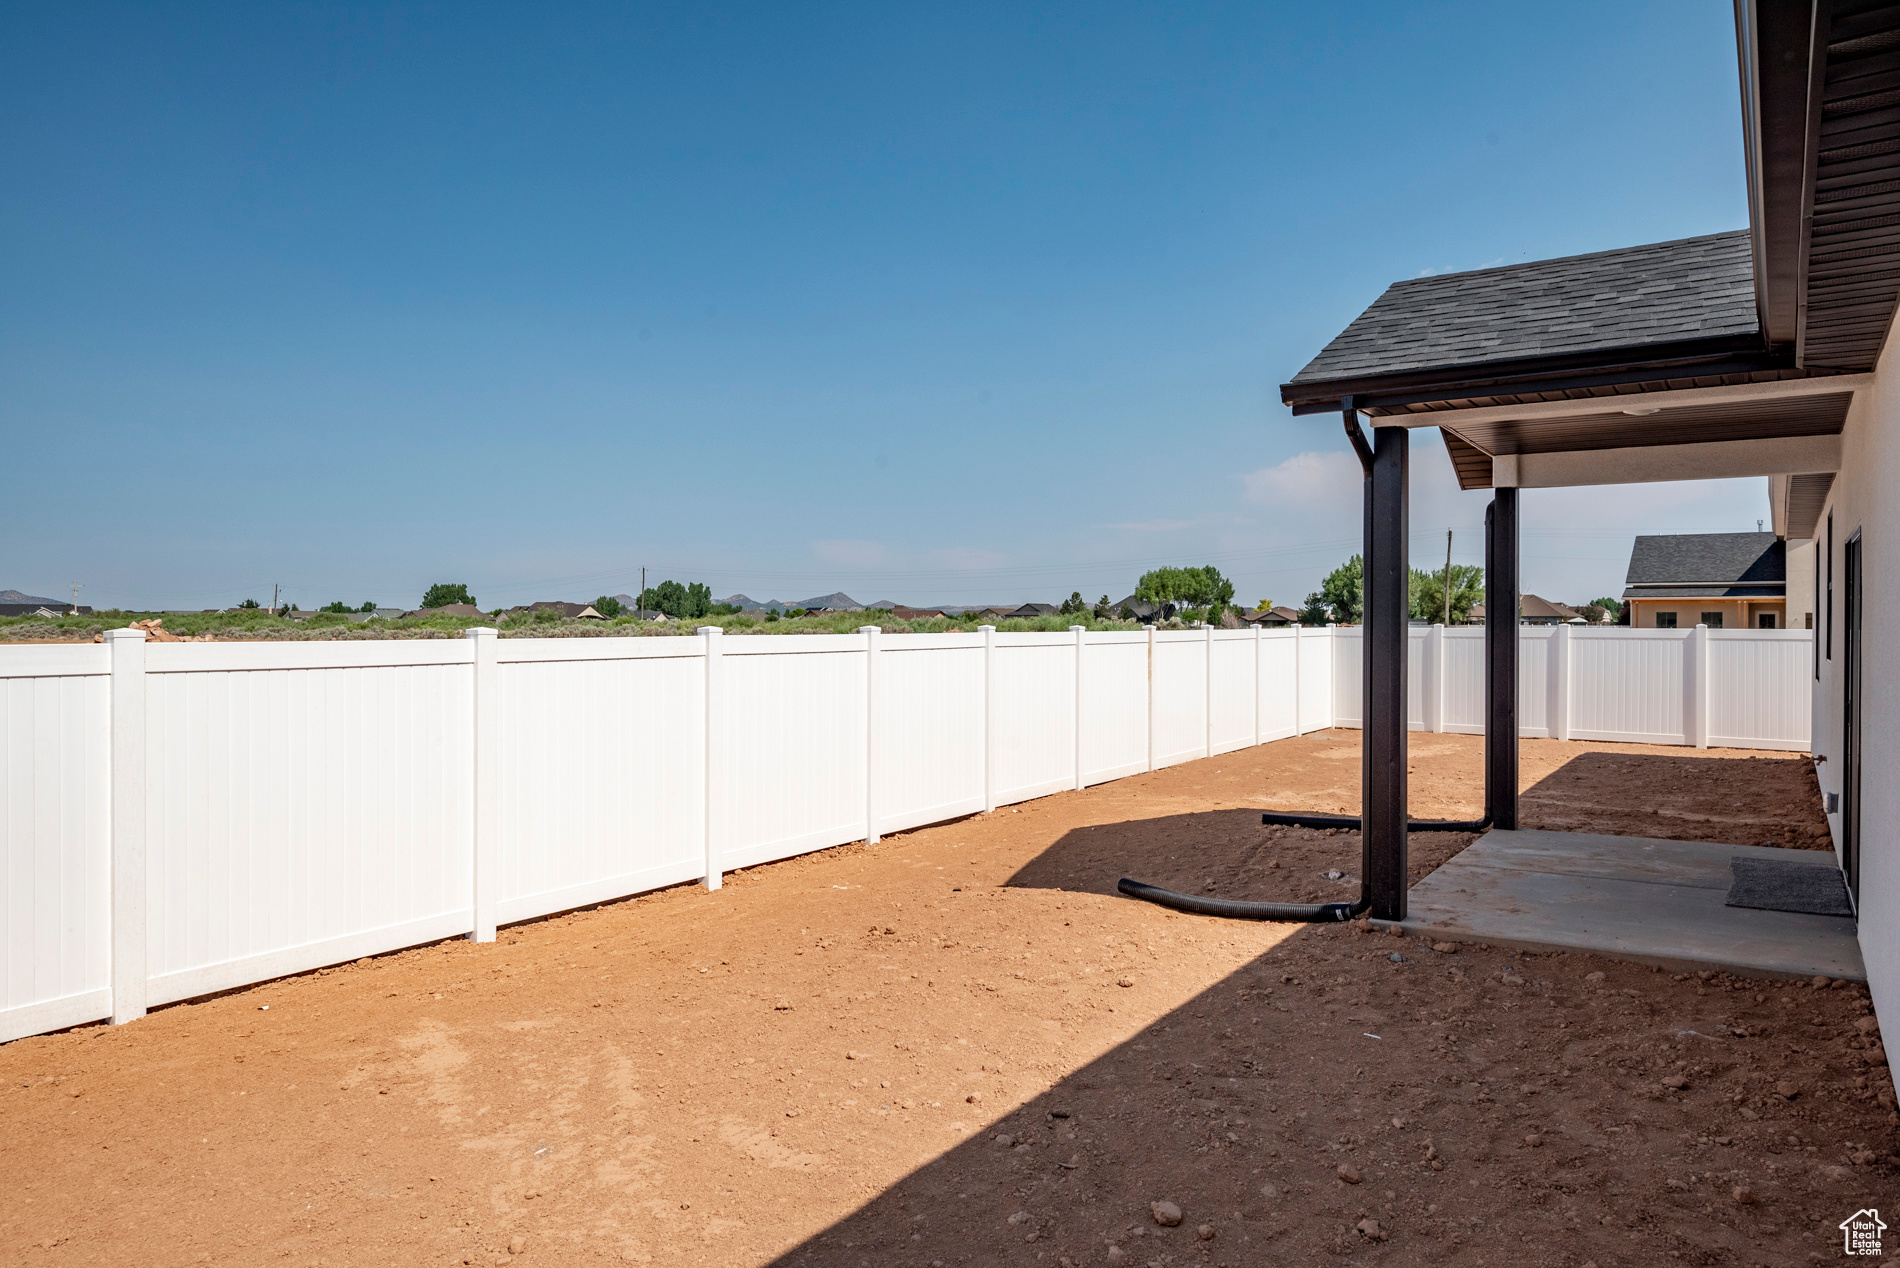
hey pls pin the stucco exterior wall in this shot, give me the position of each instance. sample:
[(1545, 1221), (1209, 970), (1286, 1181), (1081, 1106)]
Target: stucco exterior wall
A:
[(1800, 583), (1865, 497)]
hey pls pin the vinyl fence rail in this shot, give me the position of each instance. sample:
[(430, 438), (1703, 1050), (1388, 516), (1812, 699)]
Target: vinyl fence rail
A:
[(183, 818)]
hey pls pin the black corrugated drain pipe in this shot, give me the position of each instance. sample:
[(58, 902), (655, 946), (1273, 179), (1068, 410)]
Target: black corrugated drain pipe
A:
[(1299, 913)]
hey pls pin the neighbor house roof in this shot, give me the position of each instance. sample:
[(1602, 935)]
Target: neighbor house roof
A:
[(1665, 292), (1707, 566), (1534, 608)]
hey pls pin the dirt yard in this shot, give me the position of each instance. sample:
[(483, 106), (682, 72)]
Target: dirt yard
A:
[(961, 1047)]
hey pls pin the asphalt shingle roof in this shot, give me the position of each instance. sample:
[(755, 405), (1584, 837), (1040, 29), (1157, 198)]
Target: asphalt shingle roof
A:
[(1705, 565), (1691, 288)]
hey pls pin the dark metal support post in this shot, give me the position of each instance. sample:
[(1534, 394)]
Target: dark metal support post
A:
[(1387, 615), (1500, 655)]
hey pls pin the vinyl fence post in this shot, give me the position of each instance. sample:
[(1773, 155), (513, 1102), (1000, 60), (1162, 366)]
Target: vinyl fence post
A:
[(1078, 631), (871, 635), (485, 644), (1561, 674), (1699, 687), (1256, 685), (1151, 695), (1434, 684), (1331, 685), (1207, 705), (989, 716), (714, 843), (126, 649), (1299, 683)]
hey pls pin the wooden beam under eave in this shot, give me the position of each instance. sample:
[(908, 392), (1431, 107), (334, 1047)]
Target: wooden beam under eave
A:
[(1709, 460)]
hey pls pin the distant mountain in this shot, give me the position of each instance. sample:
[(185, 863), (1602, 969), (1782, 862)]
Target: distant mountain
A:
[(836, 600), (14, 596)]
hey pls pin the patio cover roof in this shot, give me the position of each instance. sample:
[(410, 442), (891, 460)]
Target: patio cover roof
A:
[(1745, 347)]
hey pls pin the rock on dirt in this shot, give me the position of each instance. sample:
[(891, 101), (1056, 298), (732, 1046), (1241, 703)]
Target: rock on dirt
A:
[(1166, 1214), (1369, 1228), (1205, 1232), (1349, 1173)]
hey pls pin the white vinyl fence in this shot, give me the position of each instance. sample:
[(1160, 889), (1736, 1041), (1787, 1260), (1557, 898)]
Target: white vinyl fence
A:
[(182, 818)]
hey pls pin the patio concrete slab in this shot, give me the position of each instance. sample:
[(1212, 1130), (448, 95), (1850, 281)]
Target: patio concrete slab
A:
[(1631, 898)]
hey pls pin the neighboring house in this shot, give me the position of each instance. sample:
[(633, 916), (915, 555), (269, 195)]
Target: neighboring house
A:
[(1146, 613), (1736, 581), (1272, 618), (568, 611), (1036, 609), (1532, 610), (902, 613), (386, 614), (16, 603), (1475, 614), (40, 607)]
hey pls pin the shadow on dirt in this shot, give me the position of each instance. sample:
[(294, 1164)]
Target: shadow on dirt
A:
[(1228, 853), (1206, 1107)]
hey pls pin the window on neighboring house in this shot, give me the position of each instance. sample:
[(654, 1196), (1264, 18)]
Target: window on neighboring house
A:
[(1665, 620), (1764, 620), (1712, 619)]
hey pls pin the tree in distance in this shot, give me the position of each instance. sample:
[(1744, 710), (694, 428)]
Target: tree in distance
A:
[(682, 603), (607, 605), (1315, 611), (250, 603), (1073, 605), (1102, 612), (1428, 592), (1187, 588), (1614, 607), (1342, 594), (443, 593), (338, 606)]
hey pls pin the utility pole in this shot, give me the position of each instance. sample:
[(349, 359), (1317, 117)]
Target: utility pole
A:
[(273, 598), (75, 611), (643, 587), (1448, 576)]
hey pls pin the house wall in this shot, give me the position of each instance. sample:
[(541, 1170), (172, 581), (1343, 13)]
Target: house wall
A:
[(1737, 614), (1862, 498), (1800, 584)]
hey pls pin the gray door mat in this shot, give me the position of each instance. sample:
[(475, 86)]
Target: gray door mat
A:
[(1775, 885)]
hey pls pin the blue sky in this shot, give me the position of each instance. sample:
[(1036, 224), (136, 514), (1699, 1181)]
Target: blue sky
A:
[(939, 304)]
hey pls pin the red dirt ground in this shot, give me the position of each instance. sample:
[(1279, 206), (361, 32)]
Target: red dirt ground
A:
[(961, 1047)]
